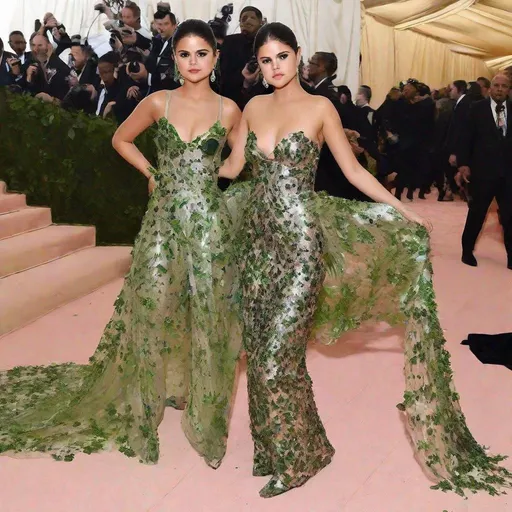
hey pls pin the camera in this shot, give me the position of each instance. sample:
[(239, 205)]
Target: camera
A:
[(134, 67), (252, 65), (220, 23), (100, 8), (115, 36), (163, 7), (227, 11)]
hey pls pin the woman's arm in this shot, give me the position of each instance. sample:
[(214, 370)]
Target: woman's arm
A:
[(140, 119), (357, 175), (234, 164), (231, 116)]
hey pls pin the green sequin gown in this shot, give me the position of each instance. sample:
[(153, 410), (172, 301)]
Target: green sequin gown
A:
[(314, 267), (172, 340)]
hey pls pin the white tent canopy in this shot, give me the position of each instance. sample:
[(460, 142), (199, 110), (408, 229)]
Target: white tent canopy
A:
[(328, 25), (435, 41)]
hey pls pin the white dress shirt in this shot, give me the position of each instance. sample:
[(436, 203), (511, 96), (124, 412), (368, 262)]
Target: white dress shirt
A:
[(166, 43), (459, 100), (321, 82), (495, 115)]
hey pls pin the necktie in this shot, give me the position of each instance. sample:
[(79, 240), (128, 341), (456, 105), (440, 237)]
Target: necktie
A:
[(500, 118)]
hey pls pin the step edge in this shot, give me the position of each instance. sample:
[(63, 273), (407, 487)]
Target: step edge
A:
[(47, 261), (46, 227), (70, 255), (24, 232)]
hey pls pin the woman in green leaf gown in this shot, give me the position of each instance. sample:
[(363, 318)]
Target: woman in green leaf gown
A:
[(173, 338), (313, 267)]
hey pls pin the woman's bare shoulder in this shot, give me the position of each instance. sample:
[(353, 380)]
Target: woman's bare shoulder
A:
[(257, 103), (319, 102), (229, 107)]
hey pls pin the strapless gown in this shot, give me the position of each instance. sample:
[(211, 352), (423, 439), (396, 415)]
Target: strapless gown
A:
[(172, 340), (312, 268)]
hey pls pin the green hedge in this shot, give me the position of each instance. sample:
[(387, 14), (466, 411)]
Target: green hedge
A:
[(66, 161)]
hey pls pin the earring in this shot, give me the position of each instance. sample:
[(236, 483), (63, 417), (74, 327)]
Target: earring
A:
[(265, 83), (212, 76)]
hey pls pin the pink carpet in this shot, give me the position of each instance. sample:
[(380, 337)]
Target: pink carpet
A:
[(357, 385)]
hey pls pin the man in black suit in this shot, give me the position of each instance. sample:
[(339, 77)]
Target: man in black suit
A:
[(369, 125), (160, 62), (6, 77), (322, 67), (485, 162), (47, 76), (85, 65), (236, 51), (110, 85), (18, 44), (458, 93)]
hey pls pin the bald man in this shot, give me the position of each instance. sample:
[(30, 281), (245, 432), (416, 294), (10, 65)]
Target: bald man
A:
[(485, 163)]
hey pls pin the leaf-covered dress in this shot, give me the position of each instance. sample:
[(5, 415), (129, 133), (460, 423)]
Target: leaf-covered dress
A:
[(314, 267), (172, 340)]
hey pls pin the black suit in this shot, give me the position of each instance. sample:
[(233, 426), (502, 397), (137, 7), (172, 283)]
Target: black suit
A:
[(160, 63), (329, 176), (458, 120), (89, 75), (6, 78), (488, 153), (235, 53), (111, 94), (55, 81)]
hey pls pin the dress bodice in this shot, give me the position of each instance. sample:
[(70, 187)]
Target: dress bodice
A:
[(186, 166), (290, 167)]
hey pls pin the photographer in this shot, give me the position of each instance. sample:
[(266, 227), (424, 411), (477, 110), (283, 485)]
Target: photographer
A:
[(18, 44), (52, 28), (6, 60), (133, 89), (46, 77), (236, 52), (110, 87), (130, 17), (160, 62), (84, 65), (81, 98), (220, 24)]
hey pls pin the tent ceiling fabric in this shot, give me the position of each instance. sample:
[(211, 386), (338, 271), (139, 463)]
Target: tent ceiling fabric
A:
[(478, 28)]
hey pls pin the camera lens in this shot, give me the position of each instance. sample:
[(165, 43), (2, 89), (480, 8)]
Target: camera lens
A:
[(134, 67)]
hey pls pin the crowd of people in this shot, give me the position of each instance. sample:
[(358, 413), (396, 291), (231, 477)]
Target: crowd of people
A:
[(411, 142)]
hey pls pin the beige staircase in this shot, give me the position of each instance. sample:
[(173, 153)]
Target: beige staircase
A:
[(43, 266)]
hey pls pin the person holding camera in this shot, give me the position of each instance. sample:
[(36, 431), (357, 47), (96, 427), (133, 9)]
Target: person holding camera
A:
[(47, 76), (6, 61), (84, 65), (130, 18), (134, 87), (18, 44), (160, 62), (236, 52), (110, 87)]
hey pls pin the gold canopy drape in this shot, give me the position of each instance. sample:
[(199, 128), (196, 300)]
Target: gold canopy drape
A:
[(435, 41)]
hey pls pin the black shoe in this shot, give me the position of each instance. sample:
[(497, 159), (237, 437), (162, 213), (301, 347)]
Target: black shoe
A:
[(469, 259)]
